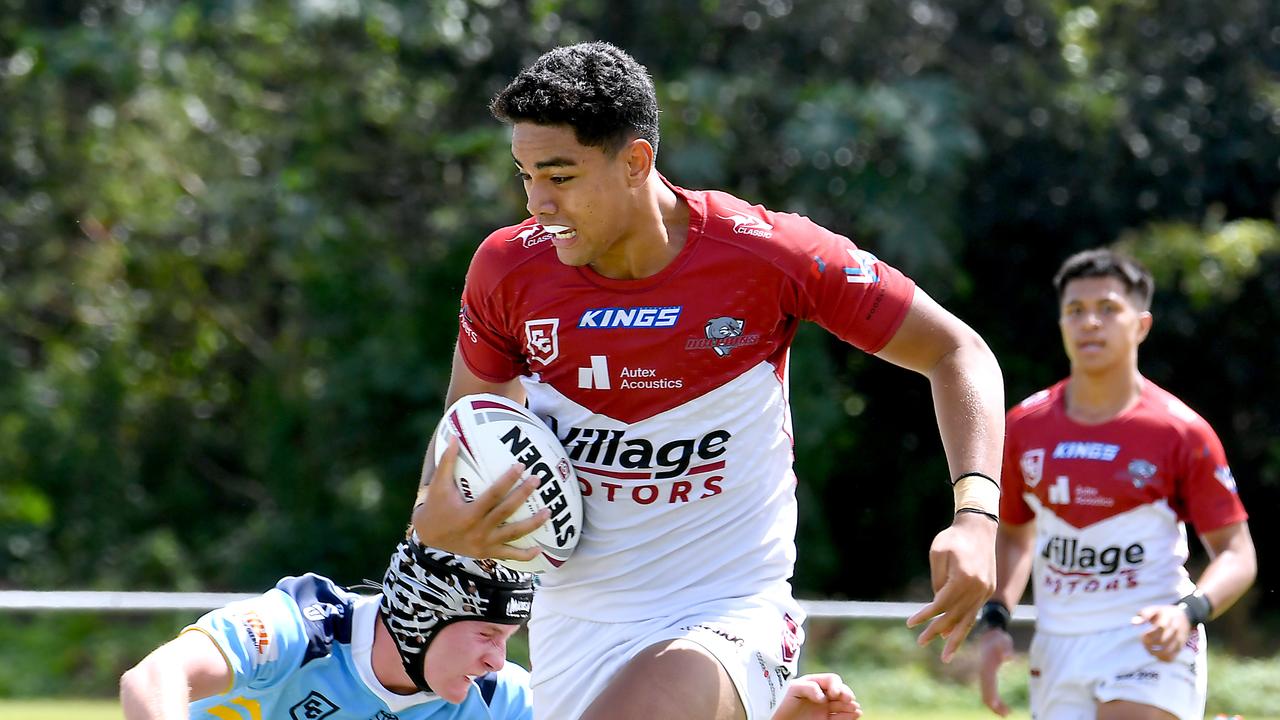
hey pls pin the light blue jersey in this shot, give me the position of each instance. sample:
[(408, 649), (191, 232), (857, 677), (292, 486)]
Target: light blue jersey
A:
[(301, 651)]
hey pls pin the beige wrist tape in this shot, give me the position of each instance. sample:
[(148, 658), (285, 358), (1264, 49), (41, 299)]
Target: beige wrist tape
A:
[(977, 493)]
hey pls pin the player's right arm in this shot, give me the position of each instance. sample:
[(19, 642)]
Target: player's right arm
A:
[(1015, 548), (164, 683), (444, 520)]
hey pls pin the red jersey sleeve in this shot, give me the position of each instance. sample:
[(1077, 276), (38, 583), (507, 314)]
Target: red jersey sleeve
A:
[(1013, 506), (845, 289), (486, 342), (1206, 491)]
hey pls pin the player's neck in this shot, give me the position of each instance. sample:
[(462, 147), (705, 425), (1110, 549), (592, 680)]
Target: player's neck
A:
[(657, 236), (1093, 398), (387, 667)]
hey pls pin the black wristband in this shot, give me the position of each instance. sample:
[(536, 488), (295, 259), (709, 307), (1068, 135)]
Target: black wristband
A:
[(995, 615), (1197, 607), (994, 518), (984, 476)]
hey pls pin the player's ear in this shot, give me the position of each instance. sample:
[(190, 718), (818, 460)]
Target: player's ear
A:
[(1144, 324), (639, 157)]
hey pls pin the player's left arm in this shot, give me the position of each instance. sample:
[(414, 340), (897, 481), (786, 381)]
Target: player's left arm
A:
[(1231, 570), (968, 399)]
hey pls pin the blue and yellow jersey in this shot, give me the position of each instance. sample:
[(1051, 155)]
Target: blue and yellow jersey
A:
[(301, 651)]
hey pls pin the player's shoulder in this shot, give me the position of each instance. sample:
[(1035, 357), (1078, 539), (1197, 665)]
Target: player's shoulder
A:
[(325, 611), (507, 692), (754, 228), (1165, 408), (1036, 406), (509, 248)]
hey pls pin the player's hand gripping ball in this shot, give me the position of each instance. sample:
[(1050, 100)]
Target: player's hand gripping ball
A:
[(495, 433)]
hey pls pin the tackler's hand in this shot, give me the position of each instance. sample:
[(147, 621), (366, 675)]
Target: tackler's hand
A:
[(962, 564), (443, 519), (820, 696)]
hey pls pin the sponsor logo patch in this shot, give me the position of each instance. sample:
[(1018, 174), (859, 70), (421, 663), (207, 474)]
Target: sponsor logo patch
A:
[(1076, 450), (863, 271), (1224, 476), (634, 317)]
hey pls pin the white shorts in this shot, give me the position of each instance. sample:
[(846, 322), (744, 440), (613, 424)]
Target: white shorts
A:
[(1070, 674), (755, 639)]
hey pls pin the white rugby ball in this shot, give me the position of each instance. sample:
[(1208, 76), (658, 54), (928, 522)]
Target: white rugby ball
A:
[(495, 433)]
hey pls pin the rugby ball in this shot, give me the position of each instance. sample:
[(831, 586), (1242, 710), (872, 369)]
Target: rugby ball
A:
[(495, 433)]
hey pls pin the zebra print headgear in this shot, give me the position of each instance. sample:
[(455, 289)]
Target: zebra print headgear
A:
[(426, 589)]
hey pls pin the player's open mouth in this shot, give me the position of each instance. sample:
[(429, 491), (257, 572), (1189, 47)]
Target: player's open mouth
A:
[(561, 232)]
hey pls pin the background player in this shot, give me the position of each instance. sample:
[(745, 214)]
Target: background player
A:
[(649, 325), (1100, 472)]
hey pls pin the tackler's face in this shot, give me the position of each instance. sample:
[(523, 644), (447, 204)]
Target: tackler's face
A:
[(584, 195), (463, 651), (1102, 324)]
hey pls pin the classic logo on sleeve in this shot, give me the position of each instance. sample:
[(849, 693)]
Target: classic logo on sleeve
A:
[(542, 340), (747, 225)]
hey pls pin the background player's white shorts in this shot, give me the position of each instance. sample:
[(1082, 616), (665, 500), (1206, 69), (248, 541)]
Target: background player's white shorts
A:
[(755, 639), (1070, 674)]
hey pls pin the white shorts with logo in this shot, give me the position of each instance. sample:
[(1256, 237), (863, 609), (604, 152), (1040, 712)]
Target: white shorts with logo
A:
[(1071, 674), (756, 640)]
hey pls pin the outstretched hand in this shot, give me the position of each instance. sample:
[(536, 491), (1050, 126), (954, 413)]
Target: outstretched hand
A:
[(962, 564), (819, 696), (995, 648), (444, 520)]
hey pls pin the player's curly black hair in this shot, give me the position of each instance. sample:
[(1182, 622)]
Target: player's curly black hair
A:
[(596, 88), (1104, 262)]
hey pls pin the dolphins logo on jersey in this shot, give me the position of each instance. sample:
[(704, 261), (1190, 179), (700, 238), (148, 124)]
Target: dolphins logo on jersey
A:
[(1141, 472), (720, 330)]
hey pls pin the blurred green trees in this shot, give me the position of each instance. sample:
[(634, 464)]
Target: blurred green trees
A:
[(232, 236)]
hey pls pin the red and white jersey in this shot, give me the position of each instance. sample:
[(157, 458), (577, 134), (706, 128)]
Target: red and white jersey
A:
[(1110, 502), (669, 393)]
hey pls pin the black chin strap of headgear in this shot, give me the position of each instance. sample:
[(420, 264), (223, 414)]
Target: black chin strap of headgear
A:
[(426, 590)]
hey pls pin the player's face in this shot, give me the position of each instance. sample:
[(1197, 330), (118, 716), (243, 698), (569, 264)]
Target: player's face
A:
[(462, 651), (1101, 325), (585, 190)]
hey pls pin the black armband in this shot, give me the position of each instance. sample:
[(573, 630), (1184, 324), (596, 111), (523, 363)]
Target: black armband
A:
[(995, 615), (992, 516), (1197, 607), (984, 476)]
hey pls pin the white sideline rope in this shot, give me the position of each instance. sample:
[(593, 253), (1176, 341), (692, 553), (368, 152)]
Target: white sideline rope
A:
[(98, 601)]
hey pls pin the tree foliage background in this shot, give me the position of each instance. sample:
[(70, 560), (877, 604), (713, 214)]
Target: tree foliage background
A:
[(232, 237)]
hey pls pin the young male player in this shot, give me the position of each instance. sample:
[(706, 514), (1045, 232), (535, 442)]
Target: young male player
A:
[(431, 645), (1100, 473), (649, 325)]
